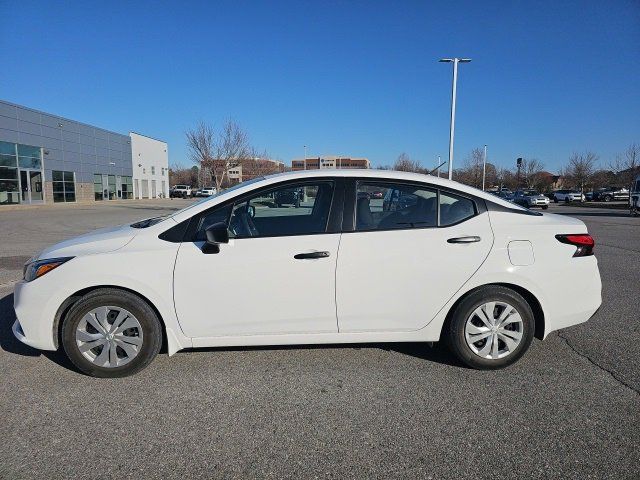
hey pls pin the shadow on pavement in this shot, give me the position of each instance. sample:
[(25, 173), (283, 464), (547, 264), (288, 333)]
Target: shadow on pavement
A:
[(11, 344), (438, 353)]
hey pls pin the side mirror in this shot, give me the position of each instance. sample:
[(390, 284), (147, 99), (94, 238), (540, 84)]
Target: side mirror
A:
[(251, 211), (216, 234)]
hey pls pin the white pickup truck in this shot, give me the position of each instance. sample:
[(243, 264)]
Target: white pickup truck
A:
[(180, 191)]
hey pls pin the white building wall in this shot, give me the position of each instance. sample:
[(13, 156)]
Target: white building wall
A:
[(150, 166)]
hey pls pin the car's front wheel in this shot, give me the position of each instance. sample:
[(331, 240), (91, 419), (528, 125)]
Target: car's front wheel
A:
[(111, 333), (491, 328)]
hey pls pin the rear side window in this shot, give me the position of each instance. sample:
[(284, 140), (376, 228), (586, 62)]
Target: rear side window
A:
[(455, 209), (383, 206)]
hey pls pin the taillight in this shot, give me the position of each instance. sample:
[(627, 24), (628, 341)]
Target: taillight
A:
[(583, 242)]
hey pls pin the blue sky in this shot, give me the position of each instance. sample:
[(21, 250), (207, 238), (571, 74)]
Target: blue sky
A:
[(354, 78)]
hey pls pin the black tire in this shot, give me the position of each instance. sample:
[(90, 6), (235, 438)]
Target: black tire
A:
[(607, 198), (555, 200), (455, 333), (146, 316), (544, 207)]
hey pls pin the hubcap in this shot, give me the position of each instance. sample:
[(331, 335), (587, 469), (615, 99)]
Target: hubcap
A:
[(109, 336), (494, 330)]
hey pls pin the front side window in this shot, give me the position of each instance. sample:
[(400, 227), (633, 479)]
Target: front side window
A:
[(295, 209), (383, 206)]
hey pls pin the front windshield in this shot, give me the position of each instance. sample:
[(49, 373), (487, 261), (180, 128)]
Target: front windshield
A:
[(531, 193)]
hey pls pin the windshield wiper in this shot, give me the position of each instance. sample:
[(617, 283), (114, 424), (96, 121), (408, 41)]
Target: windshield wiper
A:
[(148, 222)]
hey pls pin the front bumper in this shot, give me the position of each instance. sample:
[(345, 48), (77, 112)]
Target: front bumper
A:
[(35, 312)]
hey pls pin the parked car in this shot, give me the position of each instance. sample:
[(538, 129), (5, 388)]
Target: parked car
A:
[(506, 195), (288, 197), (634, 197), (377, 194), (205, 192), (588, 196), (463, 266), (567, 195), (608, 194), (530, 199), (180, 191)]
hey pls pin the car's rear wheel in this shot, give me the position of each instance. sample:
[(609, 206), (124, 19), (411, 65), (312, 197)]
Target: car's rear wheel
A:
[(111, 333), (491, 328), (544, 207)]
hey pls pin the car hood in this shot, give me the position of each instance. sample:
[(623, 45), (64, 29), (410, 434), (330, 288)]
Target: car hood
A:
[(99, 241)]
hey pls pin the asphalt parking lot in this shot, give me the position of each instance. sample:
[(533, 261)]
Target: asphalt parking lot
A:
[(569, 409)]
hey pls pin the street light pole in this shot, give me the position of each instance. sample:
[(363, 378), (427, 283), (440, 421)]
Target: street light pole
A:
[(455, 62), (438, 167), (305, 157), (484, 166)]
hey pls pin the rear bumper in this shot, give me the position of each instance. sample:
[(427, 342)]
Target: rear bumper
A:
[(574, 302)]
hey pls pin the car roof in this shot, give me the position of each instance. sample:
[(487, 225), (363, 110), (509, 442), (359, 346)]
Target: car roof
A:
[(343, 172)]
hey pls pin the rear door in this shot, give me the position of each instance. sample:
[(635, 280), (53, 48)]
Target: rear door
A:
[(401, 261)]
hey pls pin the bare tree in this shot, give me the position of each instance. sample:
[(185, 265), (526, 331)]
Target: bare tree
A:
[(581, 168), (215, 154), (530, 172), (259, 164), (404, 163), (183, 176), (626, 166), (201, 145), (471, 171)]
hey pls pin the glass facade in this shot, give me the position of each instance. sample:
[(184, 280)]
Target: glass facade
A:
[(17, 184), (108, 187), (127, 188), (64, 186), (97, 186)]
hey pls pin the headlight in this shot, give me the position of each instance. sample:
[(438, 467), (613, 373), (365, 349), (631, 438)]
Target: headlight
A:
[(38, 268)]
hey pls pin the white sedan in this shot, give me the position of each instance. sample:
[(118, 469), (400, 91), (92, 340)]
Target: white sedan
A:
[(441, 261)]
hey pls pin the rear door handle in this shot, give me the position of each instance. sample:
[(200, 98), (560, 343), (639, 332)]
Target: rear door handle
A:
[(468, 239), (309, 255)]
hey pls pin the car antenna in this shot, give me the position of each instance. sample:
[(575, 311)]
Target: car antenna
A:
[(431, 172)]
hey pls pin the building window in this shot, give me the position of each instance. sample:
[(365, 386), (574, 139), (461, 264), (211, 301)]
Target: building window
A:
[(153, 170), (64, 186), (9, 191), (112, 187), (29, 157), (127, 188), (162, 171), (97, 186)]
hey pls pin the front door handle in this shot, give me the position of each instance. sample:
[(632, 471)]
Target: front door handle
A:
[(468, 239), (305, 256)]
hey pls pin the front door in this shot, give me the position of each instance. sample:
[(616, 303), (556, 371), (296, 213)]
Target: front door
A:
[(105, 187), (276, 275), (31, 186), (413, 248)]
